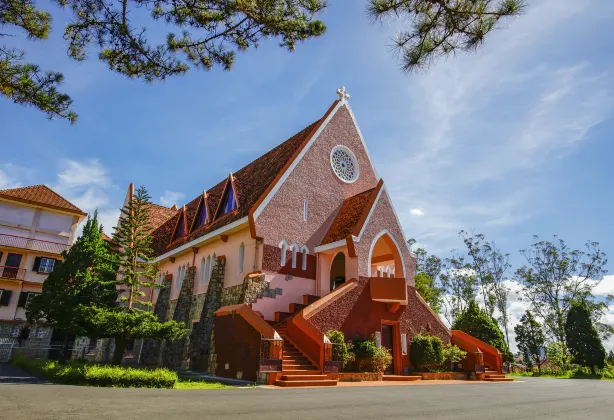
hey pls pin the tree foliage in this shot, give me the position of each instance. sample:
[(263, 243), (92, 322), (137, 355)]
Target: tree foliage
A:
[(22, 82), (438, 28), (460, 286), (428, 270), (530, 340), (474, 321), (582, 338), (426, 352), (84, 279), (555, 276)]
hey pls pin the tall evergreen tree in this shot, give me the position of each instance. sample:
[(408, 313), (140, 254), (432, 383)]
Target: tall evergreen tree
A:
[(530, 340), (133, 244), (582, 338), (84, 279), (474, 321)]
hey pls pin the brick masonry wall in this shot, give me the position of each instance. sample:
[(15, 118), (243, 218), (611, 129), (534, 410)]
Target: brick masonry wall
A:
[(152, 349), (175, 352)]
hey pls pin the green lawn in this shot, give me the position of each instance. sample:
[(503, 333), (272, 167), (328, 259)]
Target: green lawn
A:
[(200, 385)]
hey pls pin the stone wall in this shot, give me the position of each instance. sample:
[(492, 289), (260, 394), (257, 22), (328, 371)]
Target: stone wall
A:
[(152, 349), (175, 352), (201, 359)]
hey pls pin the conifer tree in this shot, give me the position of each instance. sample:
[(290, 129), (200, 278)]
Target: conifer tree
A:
[(582, 338), (530, 340), (84, 279)]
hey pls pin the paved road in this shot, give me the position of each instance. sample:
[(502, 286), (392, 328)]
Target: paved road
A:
[(535, 398)]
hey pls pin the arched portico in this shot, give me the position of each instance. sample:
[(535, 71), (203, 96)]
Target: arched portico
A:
[(385, 256)]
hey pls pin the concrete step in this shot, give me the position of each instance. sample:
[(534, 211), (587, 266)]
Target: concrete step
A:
[(327, 382), (297, 366), (401, 378), (494, 375), (303, 377), (281, 316), (301, 360), (309, 299), (499, 379), (296, 307), (301, 372)]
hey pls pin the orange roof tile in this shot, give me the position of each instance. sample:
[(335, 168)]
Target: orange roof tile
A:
[(159, 214), (352, 215), (40, 195)]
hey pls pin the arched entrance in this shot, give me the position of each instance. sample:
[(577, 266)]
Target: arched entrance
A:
[(385, 257), (337, 271)]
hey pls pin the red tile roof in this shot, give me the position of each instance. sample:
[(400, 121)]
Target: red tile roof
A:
[(40, 195), (352, 215), (250, 183), (159, 214)]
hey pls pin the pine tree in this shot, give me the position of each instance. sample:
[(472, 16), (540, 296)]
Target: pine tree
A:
[(84, 279), (132, 243), (582, 338), (474, 321), (530, 340)]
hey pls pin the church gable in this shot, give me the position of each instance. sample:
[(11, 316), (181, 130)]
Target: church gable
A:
[(332, 166)]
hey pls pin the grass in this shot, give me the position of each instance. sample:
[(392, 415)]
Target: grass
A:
[(200, 385), (574, 373)]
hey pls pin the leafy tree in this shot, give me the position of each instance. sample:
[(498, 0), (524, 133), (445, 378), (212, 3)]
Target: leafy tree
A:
[(582, 338), (132, 243), (530, 340), (452, 355), (371, 358), (555, 276), (438, 28), (210, 33), (459, 285), (558, 355), (474, 321), (342, 351), (428, 270), (490, 265), (610, 358), (84, 279)]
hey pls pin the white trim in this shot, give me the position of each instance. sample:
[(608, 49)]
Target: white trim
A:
[(355, 161), (294, 252), (202, 239), (375, 239), (332, 245), (398, 222), (371, 210), (362, 139), (295, 162), (304, 251)]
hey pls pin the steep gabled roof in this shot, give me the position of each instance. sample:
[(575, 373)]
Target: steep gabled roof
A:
[(250, 182), (41, 195), (352, 215), (159, 214)]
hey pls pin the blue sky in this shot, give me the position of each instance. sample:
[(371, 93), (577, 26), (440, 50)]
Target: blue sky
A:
[(511, 141)]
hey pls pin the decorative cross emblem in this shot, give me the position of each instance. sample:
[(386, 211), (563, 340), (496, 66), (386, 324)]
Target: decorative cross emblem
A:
[(343, 94)]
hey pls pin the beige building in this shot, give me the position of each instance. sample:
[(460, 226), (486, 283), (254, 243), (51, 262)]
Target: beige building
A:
[(36, 226)]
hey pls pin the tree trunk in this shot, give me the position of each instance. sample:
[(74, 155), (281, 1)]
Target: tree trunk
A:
[(593, 370), (118, 353), (62, 358)]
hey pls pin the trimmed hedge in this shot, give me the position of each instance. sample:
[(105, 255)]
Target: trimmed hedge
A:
[(426, 352), (78, 373)]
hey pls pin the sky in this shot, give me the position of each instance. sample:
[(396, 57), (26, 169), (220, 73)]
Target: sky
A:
[(512, 141)]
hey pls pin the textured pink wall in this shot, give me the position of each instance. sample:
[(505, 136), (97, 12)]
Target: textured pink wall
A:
[(293, 291), (314, 180), (383, 217)]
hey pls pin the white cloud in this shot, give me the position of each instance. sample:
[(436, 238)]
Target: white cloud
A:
[(605, 287), (416, 212), (171, 197)]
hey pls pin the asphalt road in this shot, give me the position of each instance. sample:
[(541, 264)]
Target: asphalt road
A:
[(534, 398)]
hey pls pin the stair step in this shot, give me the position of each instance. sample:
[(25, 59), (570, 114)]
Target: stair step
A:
[(303, 377), (295, 359), (280, 316), (499, 379), (297, 366), (326, 382), (494, 375), (296, 307), (309, 299), (300, 372), (401, 378)]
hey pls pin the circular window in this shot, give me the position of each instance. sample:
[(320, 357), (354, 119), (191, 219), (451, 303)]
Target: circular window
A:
[(344, 164)]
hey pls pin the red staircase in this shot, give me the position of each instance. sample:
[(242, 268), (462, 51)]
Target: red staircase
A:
[(296, 369), (492, 375)]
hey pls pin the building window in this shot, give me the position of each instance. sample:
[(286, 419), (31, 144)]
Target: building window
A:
[(5, 297), (294, 252), (24, 298), (284, 250), (344, 164), (208, 269), (305, 210), (229, 203), (46, 265), (241, 257), (305, 252)]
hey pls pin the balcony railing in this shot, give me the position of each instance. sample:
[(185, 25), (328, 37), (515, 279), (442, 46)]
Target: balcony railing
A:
[(33, 244), (12, 273)]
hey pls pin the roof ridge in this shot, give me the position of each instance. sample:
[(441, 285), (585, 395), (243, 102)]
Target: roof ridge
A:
[(34, 194)]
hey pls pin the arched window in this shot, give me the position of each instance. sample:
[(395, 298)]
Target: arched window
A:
[(284, 250), (208, 269), (305, 252), (241, 257), (203, 271), (178, 278), (294, 252), (212, 265)]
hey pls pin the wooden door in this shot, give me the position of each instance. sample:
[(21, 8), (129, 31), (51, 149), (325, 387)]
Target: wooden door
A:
[(388, 342)]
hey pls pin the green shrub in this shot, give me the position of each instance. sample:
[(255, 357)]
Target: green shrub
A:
[(79, 373), (426, 352), (452, 354), (371, 358), (341, 349)]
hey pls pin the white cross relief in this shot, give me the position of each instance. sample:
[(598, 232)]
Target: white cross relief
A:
[(343, 94)]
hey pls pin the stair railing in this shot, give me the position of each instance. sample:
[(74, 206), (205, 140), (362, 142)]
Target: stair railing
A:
[(271, 354), (333, 357)]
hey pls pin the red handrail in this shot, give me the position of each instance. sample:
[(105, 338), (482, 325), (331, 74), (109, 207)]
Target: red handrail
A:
[(12, 272), (34, 244)]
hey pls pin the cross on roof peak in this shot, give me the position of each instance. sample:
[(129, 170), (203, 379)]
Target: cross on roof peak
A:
[(343, 94)]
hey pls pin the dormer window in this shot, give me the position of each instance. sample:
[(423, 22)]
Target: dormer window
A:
[(229, 203), (201, 217), (180, 231)]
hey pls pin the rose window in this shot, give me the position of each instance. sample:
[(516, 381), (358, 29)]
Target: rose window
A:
[(344, 164)]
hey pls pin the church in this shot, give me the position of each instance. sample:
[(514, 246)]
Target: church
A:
[(301, 241)]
